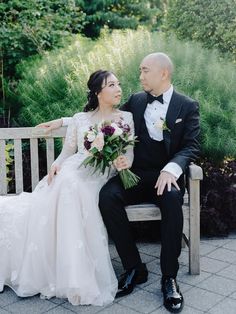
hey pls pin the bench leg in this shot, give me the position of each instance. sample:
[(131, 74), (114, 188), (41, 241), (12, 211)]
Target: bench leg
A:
[(194, 227)]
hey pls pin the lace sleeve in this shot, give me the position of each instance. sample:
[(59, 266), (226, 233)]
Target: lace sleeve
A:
[(70, 145), (130, 150)]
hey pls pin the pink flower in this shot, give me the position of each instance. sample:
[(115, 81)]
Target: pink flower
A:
[(98, 142)]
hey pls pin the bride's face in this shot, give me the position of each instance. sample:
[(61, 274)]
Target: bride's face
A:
[(110, 94)]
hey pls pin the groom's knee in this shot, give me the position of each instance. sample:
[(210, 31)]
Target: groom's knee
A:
[(110, 197)]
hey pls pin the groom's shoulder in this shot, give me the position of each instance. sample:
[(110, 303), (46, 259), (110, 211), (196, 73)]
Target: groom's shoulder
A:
[(184, 98), (187, 102), (137, 96)]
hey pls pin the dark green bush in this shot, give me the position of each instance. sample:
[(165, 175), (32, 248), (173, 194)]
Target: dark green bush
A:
[(31, 27), (212, 22)]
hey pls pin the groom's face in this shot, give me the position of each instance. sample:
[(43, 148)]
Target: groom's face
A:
[(151, 75)]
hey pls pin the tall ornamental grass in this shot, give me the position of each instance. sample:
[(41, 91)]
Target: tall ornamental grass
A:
[(55, 86)]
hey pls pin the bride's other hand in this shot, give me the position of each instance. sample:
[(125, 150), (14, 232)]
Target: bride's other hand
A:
[(50, 125), (53, 171), (121, 162)]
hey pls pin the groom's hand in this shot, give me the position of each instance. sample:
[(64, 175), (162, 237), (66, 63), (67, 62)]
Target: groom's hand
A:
[(165, 178), (121, 162), (50, 125)]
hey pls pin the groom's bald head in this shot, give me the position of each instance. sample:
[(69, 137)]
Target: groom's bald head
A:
[(160, 60), (155, 72)]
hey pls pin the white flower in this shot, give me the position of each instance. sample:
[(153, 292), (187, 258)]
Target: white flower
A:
[(100, 125), (98, 142), (118, 131), (159, 124), (91, 136), (131, 137)]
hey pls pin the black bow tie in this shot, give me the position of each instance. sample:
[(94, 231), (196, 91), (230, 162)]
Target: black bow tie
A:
[(151, 98)]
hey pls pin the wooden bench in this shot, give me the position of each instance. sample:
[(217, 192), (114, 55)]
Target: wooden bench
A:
[(142, 212)]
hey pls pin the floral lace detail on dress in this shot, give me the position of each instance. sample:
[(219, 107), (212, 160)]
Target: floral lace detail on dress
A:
[(10, 217)]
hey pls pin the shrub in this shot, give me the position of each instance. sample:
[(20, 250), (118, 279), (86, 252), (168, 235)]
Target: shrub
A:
[(56, 85), (218, 198), (31, 27), (212, 22)]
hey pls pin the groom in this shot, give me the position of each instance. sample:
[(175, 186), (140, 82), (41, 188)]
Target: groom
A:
[(167, 126)]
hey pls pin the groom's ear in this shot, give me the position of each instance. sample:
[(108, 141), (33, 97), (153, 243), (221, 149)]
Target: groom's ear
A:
[(165, 74)]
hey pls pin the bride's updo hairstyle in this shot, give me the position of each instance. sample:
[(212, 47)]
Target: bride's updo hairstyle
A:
[(95, 86)]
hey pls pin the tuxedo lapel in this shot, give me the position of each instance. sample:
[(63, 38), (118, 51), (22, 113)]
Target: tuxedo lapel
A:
[(171, 116)]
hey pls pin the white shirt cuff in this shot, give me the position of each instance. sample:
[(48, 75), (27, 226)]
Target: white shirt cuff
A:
[(174, 169), (66, 121)]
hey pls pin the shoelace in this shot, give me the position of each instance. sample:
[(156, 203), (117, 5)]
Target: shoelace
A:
[(172, 289), (173, 286)]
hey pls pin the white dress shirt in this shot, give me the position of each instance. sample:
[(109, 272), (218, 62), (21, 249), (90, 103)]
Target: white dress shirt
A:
[(154, 116)]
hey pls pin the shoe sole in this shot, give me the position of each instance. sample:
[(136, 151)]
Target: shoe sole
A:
[(174, 310), (120, 294)]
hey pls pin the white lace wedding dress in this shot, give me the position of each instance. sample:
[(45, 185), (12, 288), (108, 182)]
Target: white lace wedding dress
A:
[(53, 240)]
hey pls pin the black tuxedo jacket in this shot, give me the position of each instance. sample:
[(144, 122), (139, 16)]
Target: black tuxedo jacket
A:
[(182, 119)]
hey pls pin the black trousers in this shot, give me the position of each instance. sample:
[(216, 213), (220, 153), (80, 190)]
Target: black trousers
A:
[(112, 201)]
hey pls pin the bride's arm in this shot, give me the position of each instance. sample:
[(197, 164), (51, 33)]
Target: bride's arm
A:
[(69, 148), (54, 124)]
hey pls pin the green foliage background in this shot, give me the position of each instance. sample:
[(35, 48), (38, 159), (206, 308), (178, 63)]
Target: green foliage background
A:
[(29, 27), (50, 81), (32, 27), (56, 85), (211, 22)]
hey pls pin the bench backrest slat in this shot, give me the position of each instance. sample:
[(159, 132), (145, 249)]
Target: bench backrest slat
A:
[(3, 174), (18, 165), (50, 152), (34, 159)]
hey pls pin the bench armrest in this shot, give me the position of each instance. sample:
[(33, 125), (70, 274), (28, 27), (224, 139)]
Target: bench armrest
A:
[(195, 172)]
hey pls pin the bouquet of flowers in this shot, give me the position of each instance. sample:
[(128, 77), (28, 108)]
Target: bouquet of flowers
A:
[(105, 142)]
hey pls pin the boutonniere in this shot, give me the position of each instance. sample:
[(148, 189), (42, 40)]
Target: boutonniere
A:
[(161, 124)]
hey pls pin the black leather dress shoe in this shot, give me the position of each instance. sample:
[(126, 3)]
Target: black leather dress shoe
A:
[(173, 298), (130, 279)]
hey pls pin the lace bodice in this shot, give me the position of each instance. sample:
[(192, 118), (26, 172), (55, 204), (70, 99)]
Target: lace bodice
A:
[(79, 124)]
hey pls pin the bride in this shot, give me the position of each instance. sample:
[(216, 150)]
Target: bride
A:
[(53, 240)]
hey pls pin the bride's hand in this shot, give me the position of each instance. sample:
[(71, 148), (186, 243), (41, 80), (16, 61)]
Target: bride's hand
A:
[(54, 170), (121, 162), (50, 125)]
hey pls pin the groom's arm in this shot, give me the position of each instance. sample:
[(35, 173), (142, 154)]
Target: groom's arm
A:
[(189, 146), (189, 151)]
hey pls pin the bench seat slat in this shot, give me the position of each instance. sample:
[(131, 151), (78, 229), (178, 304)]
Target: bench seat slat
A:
[(143, 212)]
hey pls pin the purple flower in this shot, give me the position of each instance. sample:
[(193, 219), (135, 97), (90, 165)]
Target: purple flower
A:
[(87, 144), (126, 128), (108, 130)]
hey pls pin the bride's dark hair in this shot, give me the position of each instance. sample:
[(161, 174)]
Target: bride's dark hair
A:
[(95, 86)]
